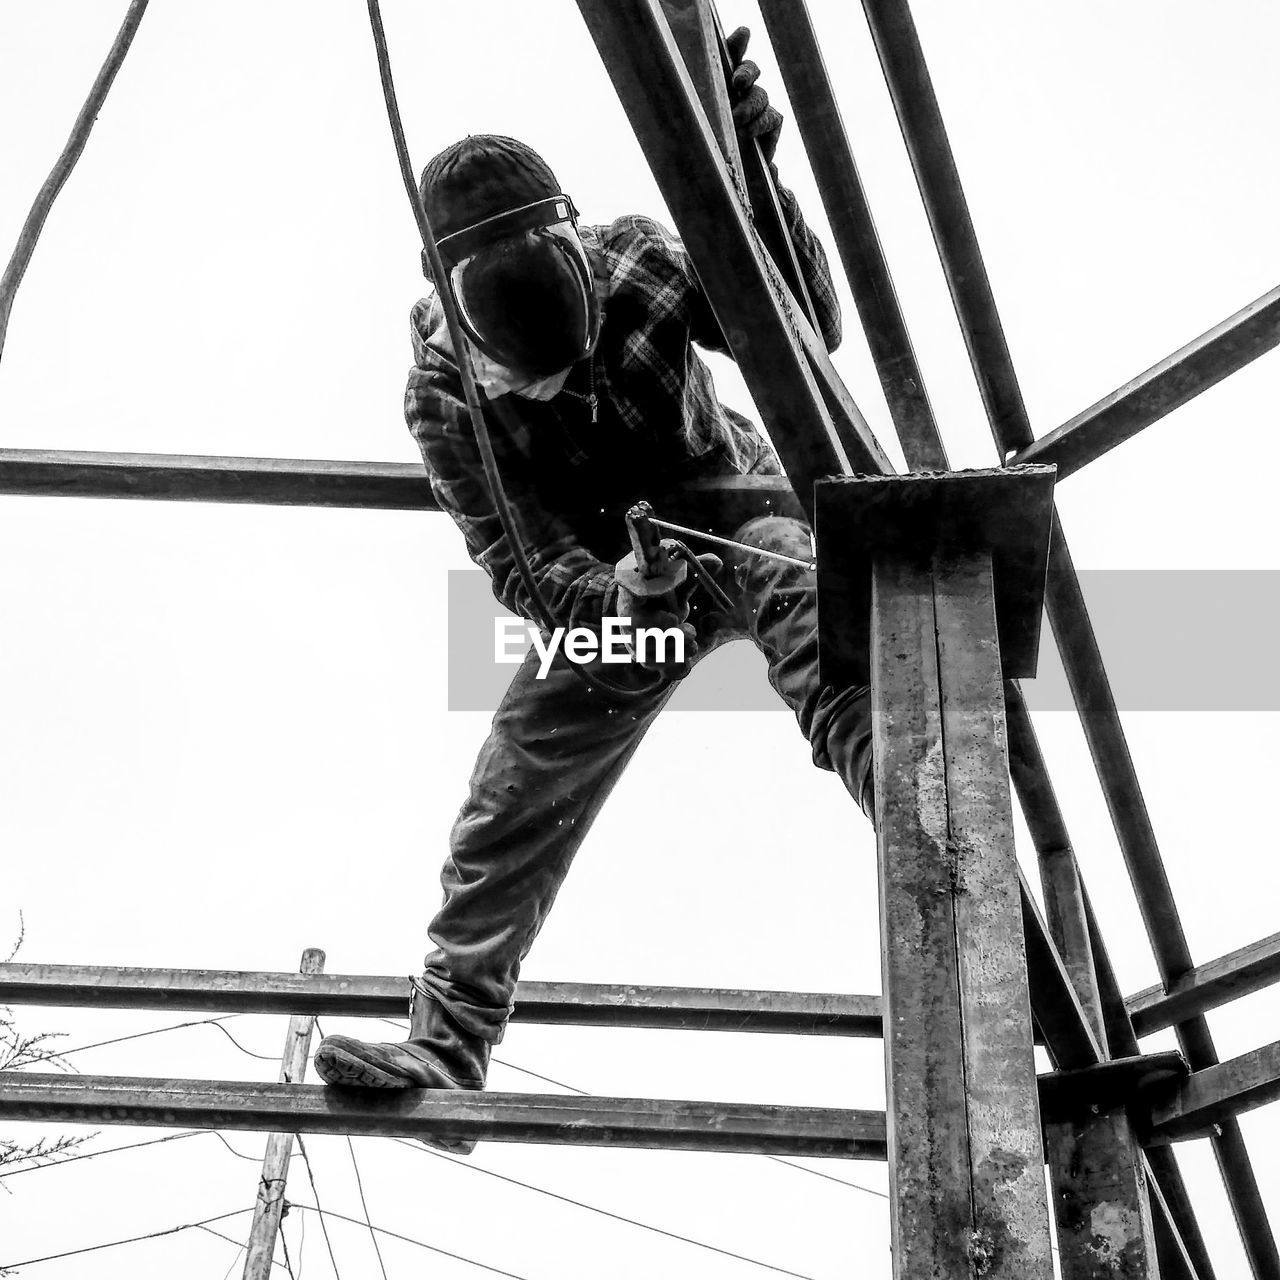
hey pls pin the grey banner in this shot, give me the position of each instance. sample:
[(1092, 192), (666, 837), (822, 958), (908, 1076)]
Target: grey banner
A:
[(1172, 640)]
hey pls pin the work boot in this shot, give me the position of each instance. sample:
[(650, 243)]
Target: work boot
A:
[(438, 1055)]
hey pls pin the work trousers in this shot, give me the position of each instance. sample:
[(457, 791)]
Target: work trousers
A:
[(556, 749)]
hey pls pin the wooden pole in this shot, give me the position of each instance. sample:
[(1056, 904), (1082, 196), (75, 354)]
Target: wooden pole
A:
[(269, 1208)]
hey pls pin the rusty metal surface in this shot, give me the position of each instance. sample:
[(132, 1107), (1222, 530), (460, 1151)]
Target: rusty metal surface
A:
[(924, 1050), (795, 44), (911, 88), (355, 995), (1180, 377), (766, 334), (1197, 1106), (1207, 986), (461, 1115), (860, 519), (1011, 1214), (922, 127), (1105, 1223)]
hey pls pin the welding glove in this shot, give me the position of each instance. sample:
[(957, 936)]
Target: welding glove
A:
[(664, 612), (753, 117)]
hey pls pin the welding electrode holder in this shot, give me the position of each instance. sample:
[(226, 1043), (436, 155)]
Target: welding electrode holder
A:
[(658, 566)]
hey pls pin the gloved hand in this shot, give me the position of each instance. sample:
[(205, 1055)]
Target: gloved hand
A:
[(664, 612), (753, 117)]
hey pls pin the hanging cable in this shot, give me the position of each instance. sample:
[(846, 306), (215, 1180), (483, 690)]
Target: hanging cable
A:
[(472, 393), (75, 145), (605, 1213), (139, 1035), (355, 1164), (113, 1244), (288, 1262), (322, 1214), (311, 1177), (104, 1151), (572, 1088)]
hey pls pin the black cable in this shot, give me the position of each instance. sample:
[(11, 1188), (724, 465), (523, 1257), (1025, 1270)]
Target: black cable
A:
[(474, 398), (106, 1151), (288, 1262), (365, 1206), (228, 1239), (311, 1177), (395, 1235), (777, 1160), (112, 1244), (606, 1213), (137, 1035), (240, 1155)]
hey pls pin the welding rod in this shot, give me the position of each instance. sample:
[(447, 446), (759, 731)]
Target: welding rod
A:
[(728, 542)]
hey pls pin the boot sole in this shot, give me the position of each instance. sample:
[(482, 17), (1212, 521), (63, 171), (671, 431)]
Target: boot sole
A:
[(336, 1066)]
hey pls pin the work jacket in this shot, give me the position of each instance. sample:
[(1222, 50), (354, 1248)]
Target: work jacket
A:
[(657, 420)]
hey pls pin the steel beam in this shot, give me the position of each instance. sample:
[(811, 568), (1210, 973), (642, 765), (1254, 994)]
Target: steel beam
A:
[(772, 343), (1178, 378), (966, 1159), (1198, 1105), (804, 74), (921, 121), (1207, 986), (350, 995), (458, 1116), (718, 503), (911, 88)]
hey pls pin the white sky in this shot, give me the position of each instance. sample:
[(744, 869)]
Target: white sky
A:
[(224, 734)]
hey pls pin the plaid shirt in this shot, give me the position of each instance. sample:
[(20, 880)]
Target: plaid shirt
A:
[(659, 420)]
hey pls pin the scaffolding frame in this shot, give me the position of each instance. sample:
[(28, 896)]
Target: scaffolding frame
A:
[(1108, 1109)]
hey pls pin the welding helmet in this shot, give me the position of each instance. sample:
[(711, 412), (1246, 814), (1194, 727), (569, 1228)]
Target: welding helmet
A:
[(524, 286)]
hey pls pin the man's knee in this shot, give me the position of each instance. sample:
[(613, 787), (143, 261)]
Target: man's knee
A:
[(782, 534)]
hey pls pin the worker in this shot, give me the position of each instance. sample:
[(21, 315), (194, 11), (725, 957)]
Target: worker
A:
[(582, 338)]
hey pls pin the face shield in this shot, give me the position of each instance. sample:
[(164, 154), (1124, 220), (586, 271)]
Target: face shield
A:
[(524, 288)]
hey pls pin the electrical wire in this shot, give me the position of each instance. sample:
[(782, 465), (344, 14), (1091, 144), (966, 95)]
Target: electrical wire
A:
[(777, 1160), (284, 1244), (226, 1275), (311, 1177), (112, 1244), (240, 1155), (605, 1213), (106, 1151), (355, 1164), (140, 1035), (395, 1235)]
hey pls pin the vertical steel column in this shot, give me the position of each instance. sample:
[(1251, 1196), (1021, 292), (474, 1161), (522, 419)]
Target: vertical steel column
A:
[(269, 1207), (966, 1158)]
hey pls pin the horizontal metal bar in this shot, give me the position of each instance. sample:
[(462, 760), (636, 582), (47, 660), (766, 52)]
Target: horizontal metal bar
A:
[(347, 995), (1207, 986), (308, 482), (461, 1115), (1178, 378), (74, 473), (1199, 1104)]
